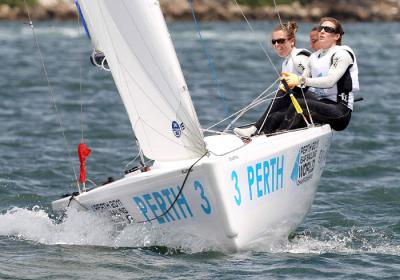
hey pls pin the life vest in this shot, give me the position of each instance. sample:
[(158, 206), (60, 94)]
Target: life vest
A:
[(343, 90), (292, 63)]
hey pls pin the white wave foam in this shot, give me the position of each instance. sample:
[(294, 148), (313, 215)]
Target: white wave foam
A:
[(26, 32), (355, 241), (84, 228), (65, 31), (35, 225)]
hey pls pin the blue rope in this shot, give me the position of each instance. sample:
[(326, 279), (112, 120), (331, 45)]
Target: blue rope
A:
[(78, 7), (210, 61)]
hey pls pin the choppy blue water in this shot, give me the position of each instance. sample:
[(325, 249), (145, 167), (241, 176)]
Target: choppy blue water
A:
[(352, 231)]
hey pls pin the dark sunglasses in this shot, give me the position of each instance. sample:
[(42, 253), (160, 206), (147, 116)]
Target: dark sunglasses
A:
[(280, 41), (327, 29)]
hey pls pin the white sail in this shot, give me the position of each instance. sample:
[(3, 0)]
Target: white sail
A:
[(134, 38)]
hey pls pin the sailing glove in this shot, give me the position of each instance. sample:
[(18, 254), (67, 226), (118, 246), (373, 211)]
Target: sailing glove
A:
[(282, 87), (291, 79)]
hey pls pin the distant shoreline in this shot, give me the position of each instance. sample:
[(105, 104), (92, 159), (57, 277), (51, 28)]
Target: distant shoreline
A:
[(226, 10)]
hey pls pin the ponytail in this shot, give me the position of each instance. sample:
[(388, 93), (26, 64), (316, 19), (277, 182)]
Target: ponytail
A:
[(290, 28)]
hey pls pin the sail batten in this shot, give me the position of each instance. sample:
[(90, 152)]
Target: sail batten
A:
[(134, 38)]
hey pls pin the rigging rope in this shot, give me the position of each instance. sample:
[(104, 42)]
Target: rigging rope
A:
[(177, 196), (210, 61), (241, 112), (291, 57), (259, 97), (73, 196), (82, 175), (277, 12), (269, 111), (80, 83), (251, 105), (259, 42), (52, 95)]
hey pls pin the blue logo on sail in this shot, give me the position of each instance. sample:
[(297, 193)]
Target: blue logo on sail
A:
[(177, 128), (295, 170)]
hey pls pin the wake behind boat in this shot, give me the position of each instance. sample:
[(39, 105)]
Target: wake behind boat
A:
[(221, 188)]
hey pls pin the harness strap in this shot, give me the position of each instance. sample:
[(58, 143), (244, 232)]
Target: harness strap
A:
[(345, 83), (304, 52)]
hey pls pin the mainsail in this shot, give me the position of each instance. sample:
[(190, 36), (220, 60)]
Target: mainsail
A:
[(134, 38)]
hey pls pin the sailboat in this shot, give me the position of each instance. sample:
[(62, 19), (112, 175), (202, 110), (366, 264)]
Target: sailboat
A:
[(221, 188)]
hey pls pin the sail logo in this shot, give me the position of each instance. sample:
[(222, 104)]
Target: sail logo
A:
[(303, 167), (177, 128)]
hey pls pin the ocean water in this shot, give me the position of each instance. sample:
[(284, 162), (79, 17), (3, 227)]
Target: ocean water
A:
[(351, 232)]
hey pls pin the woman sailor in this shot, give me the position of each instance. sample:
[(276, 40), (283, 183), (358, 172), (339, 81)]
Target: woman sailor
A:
[(296, 60), (332, 73)]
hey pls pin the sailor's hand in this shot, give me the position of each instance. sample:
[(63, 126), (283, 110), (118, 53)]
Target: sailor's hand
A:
[(291, 79), (282, 88)]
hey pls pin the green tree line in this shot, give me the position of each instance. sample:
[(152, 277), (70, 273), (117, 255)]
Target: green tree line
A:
[(18, 3), (269, 2)]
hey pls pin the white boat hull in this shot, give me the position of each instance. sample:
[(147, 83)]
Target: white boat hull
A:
[(236, 196)]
